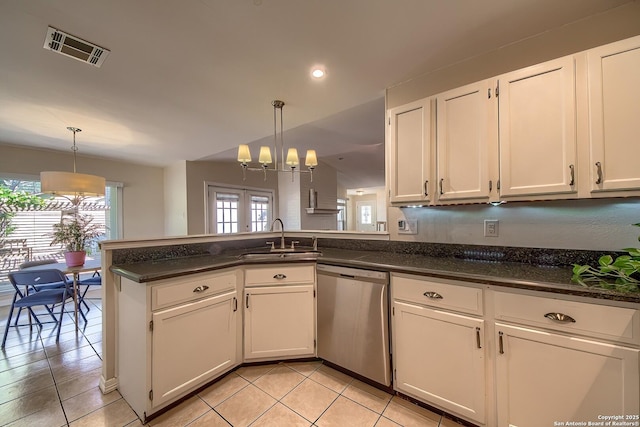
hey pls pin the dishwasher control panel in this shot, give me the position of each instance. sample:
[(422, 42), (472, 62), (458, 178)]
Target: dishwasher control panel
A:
[(355, 273)]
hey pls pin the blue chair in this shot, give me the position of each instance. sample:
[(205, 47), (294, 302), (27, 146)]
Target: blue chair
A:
[(47, 298), (94, 280)]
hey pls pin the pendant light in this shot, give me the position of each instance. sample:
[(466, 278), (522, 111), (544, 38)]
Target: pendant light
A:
[(292, 160), (72, 185)]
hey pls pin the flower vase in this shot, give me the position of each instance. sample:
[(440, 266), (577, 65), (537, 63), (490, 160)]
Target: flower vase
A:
[(75, 258)]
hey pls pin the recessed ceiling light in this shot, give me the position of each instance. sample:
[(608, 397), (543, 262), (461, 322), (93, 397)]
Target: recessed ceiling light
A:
[(317, 73)]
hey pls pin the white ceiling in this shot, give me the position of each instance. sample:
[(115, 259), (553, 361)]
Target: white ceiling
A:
[(192, 79)]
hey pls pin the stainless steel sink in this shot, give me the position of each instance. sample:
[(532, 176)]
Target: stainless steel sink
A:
[(281, 255)]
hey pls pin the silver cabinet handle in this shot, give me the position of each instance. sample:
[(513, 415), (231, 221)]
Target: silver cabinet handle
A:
[(599, 171), (279, 276), (426, 188), (500, 343), (559, 317), (478, 337), (441, 181), (432, 295), (572, 174), (200, 289)]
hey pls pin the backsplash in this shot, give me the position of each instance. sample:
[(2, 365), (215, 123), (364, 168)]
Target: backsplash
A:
[(491, 254)]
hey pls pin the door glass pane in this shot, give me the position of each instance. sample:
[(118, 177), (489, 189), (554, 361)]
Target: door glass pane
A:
[(227, 213), (259, 213)]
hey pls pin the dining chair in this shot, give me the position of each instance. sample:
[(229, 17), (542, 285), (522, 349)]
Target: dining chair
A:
[(46, 298), (95, 280), (38, 287)]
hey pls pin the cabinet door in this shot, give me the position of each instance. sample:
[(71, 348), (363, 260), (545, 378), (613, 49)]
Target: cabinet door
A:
[(279, 322), (410, 152), (542, 378), (537, 120), (464, 136), (439, 358), (191, 343), (614, 115)]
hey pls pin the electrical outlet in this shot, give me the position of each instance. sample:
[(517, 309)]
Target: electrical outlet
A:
[(408, 226), (490, 228)]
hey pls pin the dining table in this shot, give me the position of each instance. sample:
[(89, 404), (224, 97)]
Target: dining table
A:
[(88, 266)]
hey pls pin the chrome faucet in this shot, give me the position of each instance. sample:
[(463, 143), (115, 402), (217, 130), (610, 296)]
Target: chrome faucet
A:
[(281, 230)]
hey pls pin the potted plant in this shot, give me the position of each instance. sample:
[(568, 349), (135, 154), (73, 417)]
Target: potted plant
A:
[(75, 232), (621, 273)]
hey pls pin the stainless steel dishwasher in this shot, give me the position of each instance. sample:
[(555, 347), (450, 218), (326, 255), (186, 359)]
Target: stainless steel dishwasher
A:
[(353, 320)]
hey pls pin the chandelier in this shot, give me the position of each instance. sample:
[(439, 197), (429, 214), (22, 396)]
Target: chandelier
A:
[(72, 185), (292, 160)]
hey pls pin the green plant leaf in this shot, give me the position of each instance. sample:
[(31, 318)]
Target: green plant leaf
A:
[(605, 260), (633, 251), (580, 269)]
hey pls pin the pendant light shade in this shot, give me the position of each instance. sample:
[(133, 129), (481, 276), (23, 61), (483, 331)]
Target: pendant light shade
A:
[(265, 156), (311, 159), (292, 157), (244, 155), (72, 184)]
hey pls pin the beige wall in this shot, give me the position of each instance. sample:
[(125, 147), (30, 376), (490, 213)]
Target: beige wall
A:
[(226, 173), (143, 194), (616, 24)]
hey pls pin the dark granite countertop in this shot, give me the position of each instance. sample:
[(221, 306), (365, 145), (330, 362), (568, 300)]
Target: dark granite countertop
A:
[(505, 274)]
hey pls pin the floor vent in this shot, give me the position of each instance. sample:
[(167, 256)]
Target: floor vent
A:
[(73, 47)]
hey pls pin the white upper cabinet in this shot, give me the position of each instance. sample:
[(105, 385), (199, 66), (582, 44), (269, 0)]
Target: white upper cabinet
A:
[(466, 134), (614, 115), (537, 116), (410, 153)]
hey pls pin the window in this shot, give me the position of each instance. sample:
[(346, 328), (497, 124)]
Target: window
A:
[(227, 206), (260, 213), (33, 224), (235, 210)]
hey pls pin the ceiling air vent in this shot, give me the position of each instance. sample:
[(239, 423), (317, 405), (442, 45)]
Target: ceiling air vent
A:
[(76, 48)]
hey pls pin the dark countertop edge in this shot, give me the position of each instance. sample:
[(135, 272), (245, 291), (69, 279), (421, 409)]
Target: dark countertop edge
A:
[(209, 264)]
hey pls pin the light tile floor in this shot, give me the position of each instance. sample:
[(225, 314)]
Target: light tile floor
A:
[(46, 383)]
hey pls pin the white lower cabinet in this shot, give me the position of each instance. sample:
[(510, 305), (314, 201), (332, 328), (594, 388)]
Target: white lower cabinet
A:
[(430, 343), (438, 354), (544, 378), (191, 344), (280, 312), (545, 360), (560, 361), (176, 335)]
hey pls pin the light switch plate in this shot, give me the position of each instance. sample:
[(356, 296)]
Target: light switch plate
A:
[(408, 226)]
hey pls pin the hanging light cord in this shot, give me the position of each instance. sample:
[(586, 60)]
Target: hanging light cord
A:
[(74, 148)]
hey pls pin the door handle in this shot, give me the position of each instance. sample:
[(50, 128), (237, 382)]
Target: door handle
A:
[(432, 295), (599, 172), (559, 317), (280, 276), (247, 301), (200, 289), (572, 174)]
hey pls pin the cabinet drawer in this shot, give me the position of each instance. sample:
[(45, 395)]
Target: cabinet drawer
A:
[(449, 294), (613, 323), (279, 275), (183, 289)]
